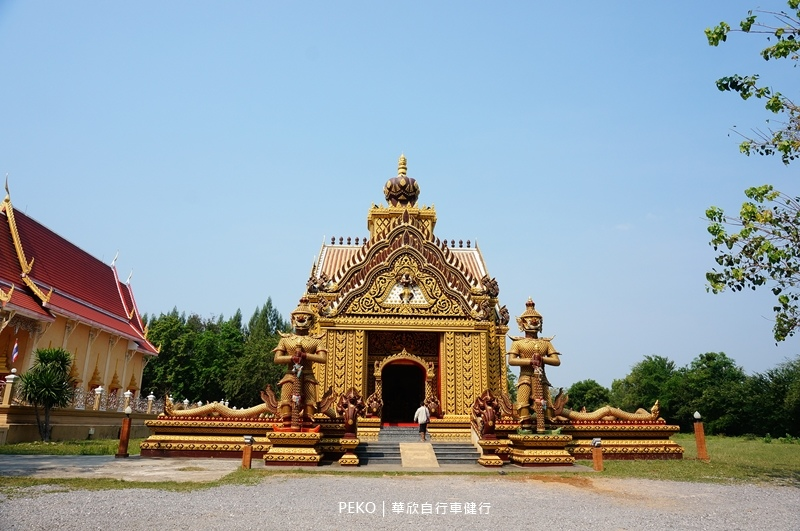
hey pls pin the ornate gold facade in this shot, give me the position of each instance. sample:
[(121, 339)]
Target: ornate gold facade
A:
[(405, 317), (408, 316)]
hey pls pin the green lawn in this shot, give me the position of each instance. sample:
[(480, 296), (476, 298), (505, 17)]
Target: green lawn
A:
[(733, 459), (93, 447)]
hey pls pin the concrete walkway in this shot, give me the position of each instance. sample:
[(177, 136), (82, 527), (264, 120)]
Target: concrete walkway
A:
[(136, 468), (418, 455)]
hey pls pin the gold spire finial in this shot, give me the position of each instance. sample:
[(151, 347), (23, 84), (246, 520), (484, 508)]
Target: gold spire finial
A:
[(401, 190), (8, 194)]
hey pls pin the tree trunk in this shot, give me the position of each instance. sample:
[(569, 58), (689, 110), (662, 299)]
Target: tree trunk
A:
[(39, 422), (46, 437)]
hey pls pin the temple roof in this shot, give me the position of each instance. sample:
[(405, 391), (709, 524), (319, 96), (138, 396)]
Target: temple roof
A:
[(51, 276), (333, 258), (403, 269)]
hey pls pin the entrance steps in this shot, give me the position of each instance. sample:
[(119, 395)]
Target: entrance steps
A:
[(454, 453), (397, 434), (379, 453), (386, 450)]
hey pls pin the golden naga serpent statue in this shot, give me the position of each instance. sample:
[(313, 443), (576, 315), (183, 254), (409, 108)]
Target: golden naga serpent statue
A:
[(268, 409), (604, 413), (217, 409)]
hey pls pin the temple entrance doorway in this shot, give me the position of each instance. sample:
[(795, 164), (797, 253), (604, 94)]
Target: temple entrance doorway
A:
[(403, 390)]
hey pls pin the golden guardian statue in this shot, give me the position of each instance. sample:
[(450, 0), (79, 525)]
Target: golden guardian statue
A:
[(299, 351), (531, 353)]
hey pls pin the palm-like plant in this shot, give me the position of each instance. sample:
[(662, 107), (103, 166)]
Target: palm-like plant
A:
[(47, 385)]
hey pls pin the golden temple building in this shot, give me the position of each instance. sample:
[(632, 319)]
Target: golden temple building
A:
[(55, 295), (394, 320), (408, 316)]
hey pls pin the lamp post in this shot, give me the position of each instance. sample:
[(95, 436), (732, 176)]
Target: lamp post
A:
[(247, 452), (98, 392), (597, 454), (124, 434), (700, 437), (8, 394)]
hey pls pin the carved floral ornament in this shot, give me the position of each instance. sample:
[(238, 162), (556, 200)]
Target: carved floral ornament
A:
[(405, 288), (430, 370)]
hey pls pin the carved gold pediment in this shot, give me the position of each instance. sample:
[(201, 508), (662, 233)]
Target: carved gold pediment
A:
[(406, 288)]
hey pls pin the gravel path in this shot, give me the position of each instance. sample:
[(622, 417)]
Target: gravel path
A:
[(412, 502)]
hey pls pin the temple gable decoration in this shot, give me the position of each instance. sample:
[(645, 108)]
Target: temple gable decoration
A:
[(402, 269), (406, 288)]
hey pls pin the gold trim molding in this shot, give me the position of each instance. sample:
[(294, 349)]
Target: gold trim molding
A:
[(26, 266)]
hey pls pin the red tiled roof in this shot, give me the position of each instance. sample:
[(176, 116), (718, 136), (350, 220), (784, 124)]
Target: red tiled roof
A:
[(472, 260), (26, 304), (84, 288), (61, 264), (9, 264), (333, 257)]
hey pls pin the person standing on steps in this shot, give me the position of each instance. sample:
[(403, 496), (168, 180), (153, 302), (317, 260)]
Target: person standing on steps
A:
[(422, 416)]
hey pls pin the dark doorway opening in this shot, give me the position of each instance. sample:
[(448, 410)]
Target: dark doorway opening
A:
[(403, 390)]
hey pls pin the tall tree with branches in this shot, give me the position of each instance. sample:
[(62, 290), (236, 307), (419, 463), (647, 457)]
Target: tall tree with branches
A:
[(761, 247)]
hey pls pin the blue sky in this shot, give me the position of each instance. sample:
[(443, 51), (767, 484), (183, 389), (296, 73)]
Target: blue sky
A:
[(215, 145)]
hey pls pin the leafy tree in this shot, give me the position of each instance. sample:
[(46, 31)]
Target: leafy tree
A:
[(716, 387), (195, 355), (773, 404), (588, 394), (214, 359), (47, 385), (511, 384), (762, 247), (653, 378), (255, 369), (216, 348), (765, 252), (266, 321), (783, 30), (169, 371)]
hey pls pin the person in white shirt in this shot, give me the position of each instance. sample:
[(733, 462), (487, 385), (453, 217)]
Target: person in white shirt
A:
[(422, 416)]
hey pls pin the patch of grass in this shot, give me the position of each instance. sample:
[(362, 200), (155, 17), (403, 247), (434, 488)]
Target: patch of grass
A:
[(29, 487), (732, 460), (87, 447)]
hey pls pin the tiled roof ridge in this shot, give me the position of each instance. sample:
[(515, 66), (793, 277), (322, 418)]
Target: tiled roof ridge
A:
[(450, 258), (84, 303), (24, 264), (134, 311), (75, 247), (119, 290)]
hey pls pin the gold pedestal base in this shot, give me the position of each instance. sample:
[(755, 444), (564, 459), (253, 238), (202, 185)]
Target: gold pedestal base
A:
[(490, 460), (493, 451), (540, 450), (290, 448), (369, 428), (349, 458)]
